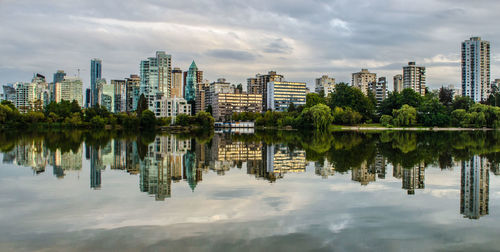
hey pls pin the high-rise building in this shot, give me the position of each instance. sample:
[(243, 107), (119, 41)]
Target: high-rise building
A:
[(156, 76), (398, 83), (9, 93), (225, 104), (261, 85), (414, 77), (192, 77), (495, 84), (325, 84), (133, 92), (252, 87), (280, 94), (476, 69), (95, 75), (107, 96), (474, 193), (88, 96), (176, 90), (219, 86), (120, 95), (59, 76), (363, 79), (70, 89), (25, 96), (379, 89), (202, 90)]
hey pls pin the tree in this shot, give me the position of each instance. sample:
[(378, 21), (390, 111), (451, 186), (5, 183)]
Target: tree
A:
[(182, 120), (320, 116), (445, 96), (462, 102), (142, 105), (346, 96), (148, 119), (313, 99), (386, 120), (291, 107), (433, 113), (205, 120), (405, 116)]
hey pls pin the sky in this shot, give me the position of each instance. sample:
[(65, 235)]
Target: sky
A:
[(302, 40)]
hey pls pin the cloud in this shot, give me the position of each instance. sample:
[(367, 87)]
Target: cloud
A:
[(231, 54), (44, 36)]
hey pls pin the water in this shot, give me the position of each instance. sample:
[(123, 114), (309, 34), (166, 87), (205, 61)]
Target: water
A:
[(274, 191)]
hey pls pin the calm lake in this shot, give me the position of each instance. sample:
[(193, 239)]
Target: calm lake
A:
[(271, 191)]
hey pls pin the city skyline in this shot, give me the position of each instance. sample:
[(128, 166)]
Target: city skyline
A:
[(335, 40)]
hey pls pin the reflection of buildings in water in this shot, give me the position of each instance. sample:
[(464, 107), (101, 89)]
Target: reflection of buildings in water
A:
[(191, 174), (32, 154), (380, 164), (324, 169), (162, 164), (369, 171), (96, 166), (68, 161), (226, 153), (397, 171), (474, 193), (364, 174), (281, 160), (413, 178)]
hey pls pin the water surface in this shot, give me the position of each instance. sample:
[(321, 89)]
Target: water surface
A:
[(279, 191)]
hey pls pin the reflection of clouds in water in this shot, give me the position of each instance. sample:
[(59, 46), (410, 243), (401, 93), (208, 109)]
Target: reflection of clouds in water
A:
[(443, 193), (340, 225)]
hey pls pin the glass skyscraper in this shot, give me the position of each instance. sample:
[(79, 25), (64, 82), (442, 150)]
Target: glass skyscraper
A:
[(156, 76), (95, 74), (191, 80)]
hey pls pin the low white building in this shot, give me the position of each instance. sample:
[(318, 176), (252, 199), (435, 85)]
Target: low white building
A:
[(170, 107)]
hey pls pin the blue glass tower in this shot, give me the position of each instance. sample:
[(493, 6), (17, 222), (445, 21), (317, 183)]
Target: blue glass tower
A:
[(95, 74), (191, 80)]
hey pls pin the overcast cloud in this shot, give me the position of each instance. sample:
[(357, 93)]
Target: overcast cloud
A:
[(237, 39)]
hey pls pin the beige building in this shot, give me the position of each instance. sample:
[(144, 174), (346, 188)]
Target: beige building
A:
[(224, 104), (398, 83), (202, 89), (363, 79), (177, 88), (69, 89), (414, 77), (325, 84)]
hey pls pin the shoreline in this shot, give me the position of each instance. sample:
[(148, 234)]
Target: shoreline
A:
[(364, 128)]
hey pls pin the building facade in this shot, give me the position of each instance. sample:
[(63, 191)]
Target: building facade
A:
[(192, 77), (476, 69), (379, 89), (325, 84), (225, 104), (398, 83), (70, 89), (363, 79), (133, 92), (176, 89), (414, 77), (156, 76), (95, 75), (259, 85), (170, 107), (120, 91), (280, 94)]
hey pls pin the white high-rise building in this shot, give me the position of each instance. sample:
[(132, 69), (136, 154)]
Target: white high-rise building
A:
[(156, 76), (325, 84), (414, 77), (476, 69)]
